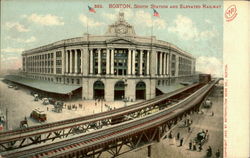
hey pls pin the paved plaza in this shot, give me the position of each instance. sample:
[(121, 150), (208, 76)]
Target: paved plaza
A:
[(20, 104)]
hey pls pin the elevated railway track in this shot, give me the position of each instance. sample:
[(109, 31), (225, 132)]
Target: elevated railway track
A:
[(15, 139), (132, 134)]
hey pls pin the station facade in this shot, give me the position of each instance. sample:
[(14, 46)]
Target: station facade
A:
[(114, 66)]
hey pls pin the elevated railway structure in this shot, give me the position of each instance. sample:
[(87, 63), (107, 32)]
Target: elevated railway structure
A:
[(15, 139), (132, 134)]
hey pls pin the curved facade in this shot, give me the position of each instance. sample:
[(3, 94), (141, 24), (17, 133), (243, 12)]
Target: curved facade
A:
[(117, 65)]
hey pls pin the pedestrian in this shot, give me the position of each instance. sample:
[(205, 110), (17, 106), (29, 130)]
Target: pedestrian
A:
[(200, 147), (178, 136), (217, 154), (190, 145), (95, 103), (209, 152), (191, 121), (47, 108), (212, 114), (170, 135), (189, 129), (187, 123), (206, 136), (194, 146), (181, 141)]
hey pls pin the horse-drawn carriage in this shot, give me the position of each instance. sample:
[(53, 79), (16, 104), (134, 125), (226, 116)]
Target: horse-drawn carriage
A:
[(201, 138)]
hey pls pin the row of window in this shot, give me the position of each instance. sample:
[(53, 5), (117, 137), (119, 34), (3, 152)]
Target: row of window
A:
[(57, 79)]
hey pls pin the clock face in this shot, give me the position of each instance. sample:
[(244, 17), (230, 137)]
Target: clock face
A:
[(121, 29)]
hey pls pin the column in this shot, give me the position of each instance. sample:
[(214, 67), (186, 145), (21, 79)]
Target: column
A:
[(91, 62), (70, 61), (168, 64), (81, 52), (67, 61), (147, 62), (156, 63), (133, 62), (85, 61), (99, 61), (54, 63), (141, 61), (76, 63), (160, 62), (112, 61), (107, 61), (164, 63), (63, 62), (129, 61), (177, 65)]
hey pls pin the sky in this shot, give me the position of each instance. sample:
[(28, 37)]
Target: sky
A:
[(27, 24)]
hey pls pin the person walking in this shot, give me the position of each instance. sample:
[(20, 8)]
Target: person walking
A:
[(217, 154), (212, 114), (209, 152), (190, 145), (170, 135), (200, 147), (178, 136), (194, 146), (181, 141)]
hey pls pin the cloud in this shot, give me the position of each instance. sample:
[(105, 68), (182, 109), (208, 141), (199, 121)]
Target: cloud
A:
[(12, 50), (145, 18), (11, 62), (20, 40), (47, 20), (109, 16), (186, 29), (17, 26), (91, 22), (210, 65), (208, 34)]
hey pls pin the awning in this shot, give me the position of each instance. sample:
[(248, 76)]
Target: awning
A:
[(170, 88), (42, 85)]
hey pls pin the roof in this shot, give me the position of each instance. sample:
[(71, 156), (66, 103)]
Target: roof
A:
[(43, 85), (171, 88)]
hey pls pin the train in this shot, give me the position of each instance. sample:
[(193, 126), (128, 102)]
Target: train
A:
[(204, 78)]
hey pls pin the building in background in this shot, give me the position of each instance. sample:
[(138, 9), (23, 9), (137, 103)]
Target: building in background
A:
[(117, 65)]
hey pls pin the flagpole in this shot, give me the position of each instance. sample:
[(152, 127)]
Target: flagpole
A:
[(152, 34)]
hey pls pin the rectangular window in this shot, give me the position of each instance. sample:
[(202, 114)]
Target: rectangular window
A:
[(58, 54), (58, 70)]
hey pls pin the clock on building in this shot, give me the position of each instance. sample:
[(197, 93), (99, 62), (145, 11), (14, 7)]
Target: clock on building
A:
[(121, 29)]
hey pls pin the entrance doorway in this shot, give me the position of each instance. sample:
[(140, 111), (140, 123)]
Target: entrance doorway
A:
[(98, 89), (140, 90), (119, 90)]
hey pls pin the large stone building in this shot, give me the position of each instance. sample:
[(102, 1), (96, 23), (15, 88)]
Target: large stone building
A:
[(117, 65)]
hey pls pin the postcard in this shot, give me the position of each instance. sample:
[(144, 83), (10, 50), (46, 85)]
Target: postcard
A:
[(118, 78)]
